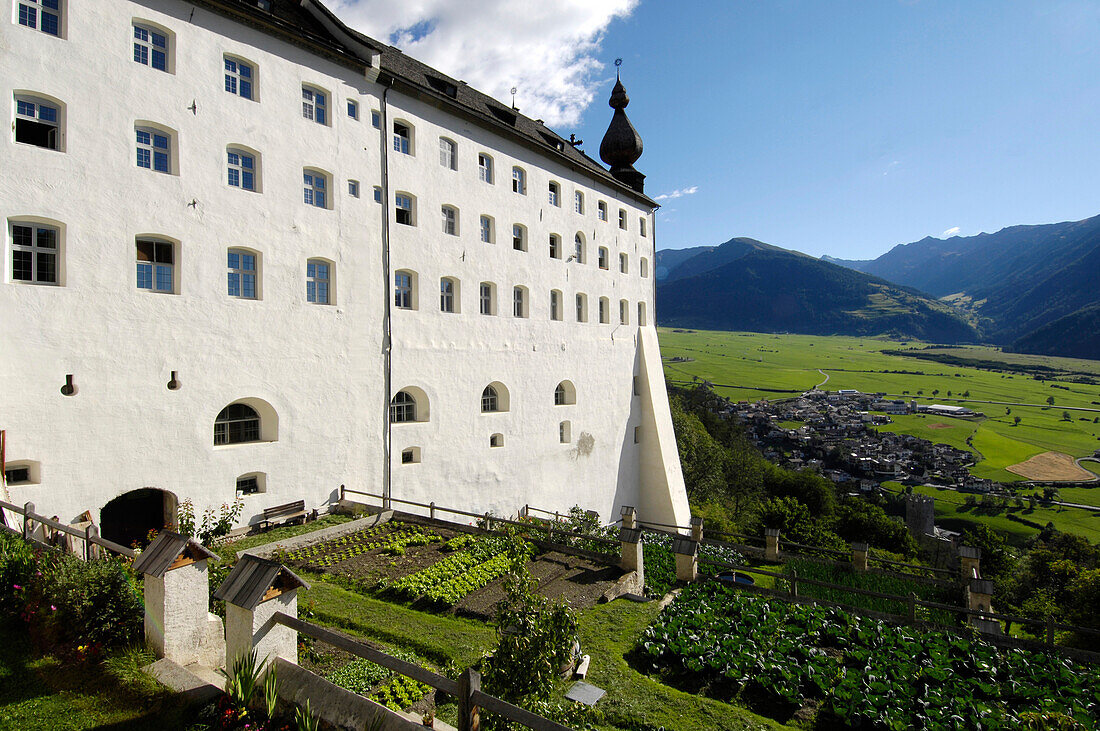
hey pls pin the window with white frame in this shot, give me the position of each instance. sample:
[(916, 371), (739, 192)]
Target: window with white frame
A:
[(490, 400), (601, 210), (641, 225), (582, 307), (450, 220), (578, 202), (519, 181), (353, 188), (622, 219), (243, 274), (624, 312), (519, 237), (487, 229), (35, 253), (237, 424), (403, 408), (404, 210), (241, 169), (402, 138), (605, 316), (315, 105), (486, 297), (37, 123), (578, 248), (353, 109), (315, 188), (602, 258), (155, 265), (555, 305), (555, 194), (377, 194), (318, 281), (151, 47), (555, 246), (519, 301), (43, 15), (448, 295), (404, 290), (239, 77), (485, 168), (448, 153), (154, 149), (624, 263)]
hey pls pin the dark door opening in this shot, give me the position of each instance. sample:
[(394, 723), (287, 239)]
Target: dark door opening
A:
[(129, 517)]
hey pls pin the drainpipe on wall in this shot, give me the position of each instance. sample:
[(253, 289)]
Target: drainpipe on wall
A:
[(387, 332)]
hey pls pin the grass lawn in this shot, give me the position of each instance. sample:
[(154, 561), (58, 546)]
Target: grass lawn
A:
[(920, 425), (636, 701), (52, 694), (753, 366), (953, 513)]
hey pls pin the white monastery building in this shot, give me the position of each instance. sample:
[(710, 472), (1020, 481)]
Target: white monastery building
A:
[(251, 252)]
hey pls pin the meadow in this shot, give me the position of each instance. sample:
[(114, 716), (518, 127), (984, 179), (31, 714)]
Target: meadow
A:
[(754, 366)]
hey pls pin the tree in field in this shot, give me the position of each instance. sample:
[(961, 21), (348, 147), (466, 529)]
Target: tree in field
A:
[(936, 392), (1066, 416), (1050, 400), (1015, 421), (1007, 411)]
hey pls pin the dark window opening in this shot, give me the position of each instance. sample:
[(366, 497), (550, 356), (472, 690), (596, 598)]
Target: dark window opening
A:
[(237, 423), (17, 474), (247, 485), (34, 133)]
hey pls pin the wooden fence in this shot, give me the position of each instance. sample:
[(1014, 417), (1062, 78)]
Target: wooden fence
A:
[(467, 689), (89, 535)]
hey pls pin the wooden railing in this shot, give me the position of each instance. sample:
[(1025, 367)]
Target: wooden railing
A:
[(90, 535), (467, 689)]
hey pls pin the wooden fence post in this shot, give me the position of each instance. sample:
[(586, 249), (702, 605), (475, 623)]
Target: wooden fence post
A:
[(912, 607), (431, 510), (468, 714), (90, 548), (794, 582), (341, 493), (28, 510), (488, 522), (1050, 631)]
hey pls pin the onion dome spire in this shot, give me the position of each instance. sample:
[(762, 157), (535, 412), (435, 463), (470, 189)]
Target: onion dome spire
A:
[(622, 145)]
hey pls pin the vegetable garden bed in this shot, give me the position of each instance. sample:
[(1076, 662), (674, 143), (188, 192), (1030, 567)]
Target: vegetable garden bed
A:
[(784, 658)]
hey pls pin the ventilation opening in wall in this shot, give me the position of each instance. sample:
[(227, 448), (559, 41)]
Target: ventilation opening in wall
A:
[(565, 432), (410, 455), (637, 434), (251, 484), (21, 473), (496, 440)]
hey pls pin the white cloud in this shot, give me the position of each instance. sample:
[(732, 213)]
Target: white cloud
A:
[(953, 231), (546, 50), (677, 193)]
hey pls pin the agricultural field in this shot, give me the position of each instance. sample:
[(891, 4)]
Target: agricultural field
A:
[(953, 513), (753, 366), (797, 662)]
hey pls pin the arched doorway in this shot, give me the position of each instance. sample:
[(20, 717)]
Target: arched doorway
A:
[(130, 516)]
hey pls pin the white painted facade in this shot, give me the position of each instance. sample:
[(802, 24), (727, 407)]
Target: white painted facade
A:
[(315, 373)]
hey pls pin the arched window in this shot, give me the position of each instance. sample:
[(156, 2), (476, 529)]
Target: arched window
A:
[(236, 424), (240, 77), (582, 307), (624, 312), (578, 251), (645, 267), (494, 398), (315, 187), (242, 168), (519, 181), (403, 138), (519, 237), (555, 246), (604, 314), (555, 305), (315, 104), (448, 294), (404, 209), (578, 202), (519, 301), (487, 298), (555, 194), (496, 440), (450, 220), (319, 281), (565, 394), (641, 314), (404, 289), (603, 257), (487, 230), (485, 168), (403, 408), (448, 153), (39, 122)]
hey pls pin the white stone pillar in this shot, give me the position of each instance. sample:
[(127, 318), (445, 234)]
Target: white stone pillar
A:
[(248, 629)]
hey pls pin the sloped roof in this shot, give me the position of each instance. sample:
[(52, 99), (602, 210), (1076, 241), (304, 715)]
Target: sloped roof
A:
[(300, 22), (252, 577), (165, 549)]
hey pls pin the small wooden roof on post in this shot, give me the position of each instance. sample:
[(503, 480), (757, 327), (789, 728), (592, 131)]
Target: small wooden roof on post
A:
[(170, 551), (255, 580)]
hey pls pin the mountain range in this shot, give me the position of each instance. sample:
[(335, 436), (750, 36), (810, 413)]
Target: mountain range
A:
[(1027, 288)]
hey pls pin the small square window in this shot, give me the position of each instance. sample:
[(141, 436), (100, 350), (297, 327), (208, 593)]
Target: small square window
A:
[(376, 119), (377, 194), (353, 109), (353, 188), (637, 434), (248, 485)]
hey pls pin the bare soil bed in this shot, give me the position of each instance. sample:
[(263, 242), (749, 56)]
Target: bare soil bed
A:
[(1053, 466), (581, 581)]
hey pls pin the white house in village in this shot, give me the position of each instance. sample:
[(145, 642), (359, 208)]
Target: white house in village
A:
[(252, 252)]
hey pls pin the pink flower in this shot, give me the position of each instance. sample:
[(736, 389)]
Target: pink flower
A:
[(17, 587), (53, 608)]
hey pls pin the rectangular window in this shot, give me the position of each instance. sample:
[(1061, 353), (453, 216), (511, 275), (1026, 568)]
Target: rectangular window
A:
[(641, 225), (34, 253), (150, 48), (446, 295), (487, 229), (43, 15), (377, 194), (248, 485), (36, 123), (238, 78), (601, 210), (624, 266), (242, 274), (555, 246), (313, 192), (404, 210), (17, 475), (447, 156), (155, 266), (313, 105), (603, 258), (485, 168), (317, 282), (353, 109), (450, 221), (582, 308), (376, 119), (578, 202), (622, 219), (242, 170), (518, 305), (519, 181), (555, 194), (402, 291), (402, 138), (486, 296), (154, 150), (353, 188), (519, 239), (555, 305)]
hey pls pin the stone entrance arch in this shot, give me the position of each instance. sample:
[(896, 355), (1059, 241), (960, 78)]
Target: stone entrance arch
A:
[(131, 515)]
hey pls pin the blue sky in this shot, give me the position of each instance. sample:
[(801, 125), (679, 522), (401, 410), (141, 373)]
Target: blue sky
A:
[(827, 126)]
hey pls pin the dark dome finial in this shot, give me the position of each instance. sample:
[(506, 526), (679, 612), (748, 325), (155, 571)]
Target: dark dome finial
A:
[(622, 145)]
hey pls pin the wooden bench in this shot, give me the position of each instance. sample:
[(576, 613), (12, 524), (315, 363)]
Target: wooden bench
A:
[(284, 513)]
